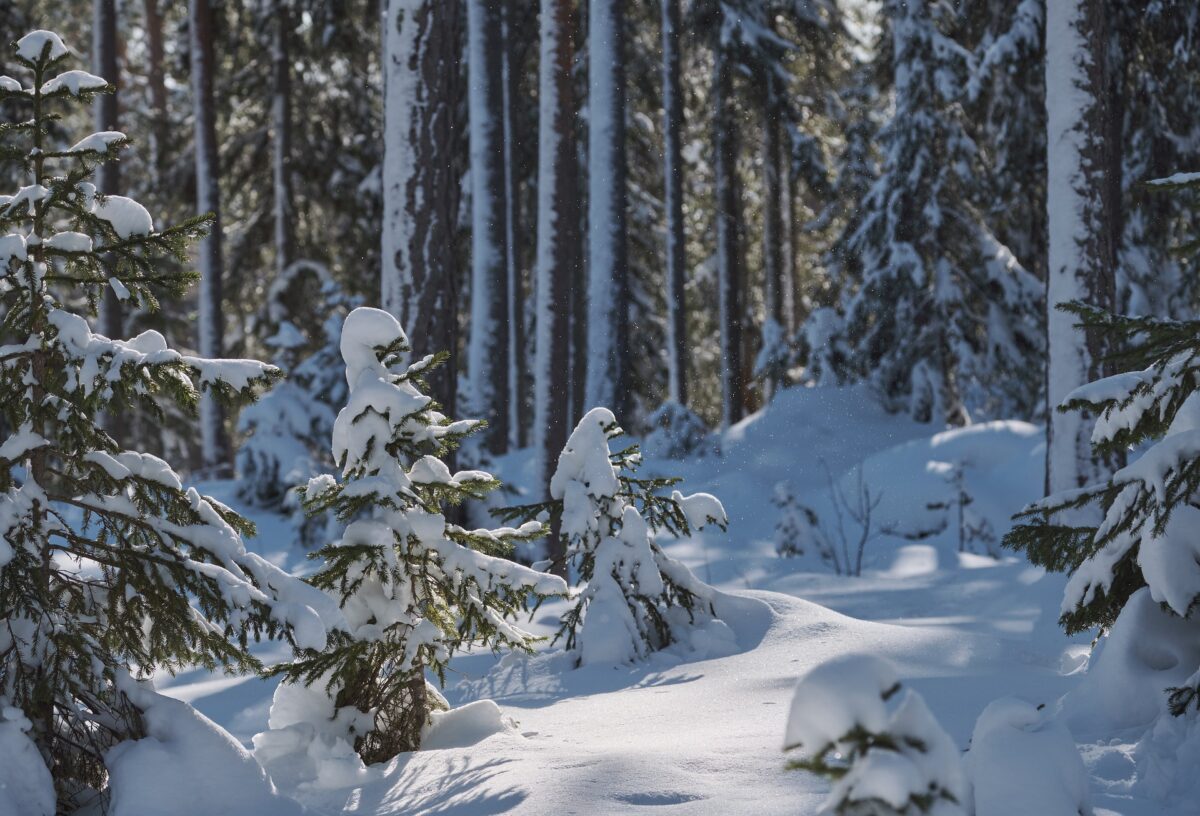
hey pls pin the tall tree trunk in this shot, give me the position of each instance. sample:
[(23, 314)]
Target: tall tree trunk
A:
[(487, 351), (1082, 207), (156, 79), (421, 192), (557, 237), (673, 176), (791, 295), (773, 235), (729, 265), (106, 116), (214, 447), (281, 135), (512, 216), (608, 266)]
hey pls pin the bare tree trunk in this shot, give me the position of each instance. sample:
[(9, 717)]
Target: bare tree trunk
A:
[(729, 265), (107, 117), (281, 136), (214, 447), (421, 191), (487, 351), (557, 237), (791, 294), (156, 79), (773, 235), (673, 176), (608, 264), (517, 421), (1083, 165)]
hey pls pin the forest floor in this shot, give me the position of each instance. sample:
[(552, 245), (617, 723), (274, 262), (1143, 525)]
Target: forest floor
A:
[(698, 730)]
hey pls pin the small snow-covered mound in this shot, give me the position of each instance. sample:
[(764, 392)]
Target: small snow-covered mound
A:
[(464, 726), (1021, 761), (26, 788), (186, 765)]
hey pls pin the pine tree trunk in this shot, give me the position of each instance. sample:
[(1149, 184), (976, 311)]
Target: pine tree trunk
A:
[(156, 79), (106, 114), (729, 271), (214, 448), (673, 177), (512, 217), (420, 188), (773, 235), (281, 137), (791, 295), (608, 272), (1082, 205), (487, 351), (557, 236)]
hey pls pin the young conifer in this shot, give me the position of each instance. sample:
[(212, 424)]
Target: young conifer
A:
[(635, 598), (108, 564), (414, 588)]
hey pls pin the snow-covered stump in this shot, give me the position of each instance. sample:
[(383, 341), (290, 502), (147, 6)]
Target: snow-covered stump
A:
[(413, 588), (852, 722), (634, 599), (108, 563)]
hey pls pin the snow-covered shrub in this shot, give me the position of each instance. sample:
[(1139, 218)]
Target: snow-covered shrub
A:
[(288, 429), (414, 588), (851, 722), (1151, 507), (775, 358), (107, 562), (1023, 761), (797, 531), (975, 532), (635, 599), (677, 432)]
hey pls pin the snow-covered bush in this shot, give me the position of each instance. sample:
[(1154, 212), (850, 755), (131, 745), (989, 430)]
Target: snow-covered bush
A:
[(414, 588), (635, 599), (851, 722), (288, 429), (108, 563), (677, 432), (1023, 761), (797, 531)]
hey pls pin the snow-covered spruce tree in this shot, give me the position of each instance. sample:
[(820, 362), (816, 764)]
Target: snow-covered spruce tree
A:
[(635, 599), (1151, 507), (108, 564), (414, 589), (943, 311), (288, 429), (880, 745)]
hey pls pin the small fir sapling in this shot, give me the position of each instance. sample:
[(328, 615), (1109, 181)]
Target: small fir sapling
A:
[(634, 598), (885, 753), (288, 430), (108, 564), (414, 588), (677, 432), (1151, 507), (797, 531)]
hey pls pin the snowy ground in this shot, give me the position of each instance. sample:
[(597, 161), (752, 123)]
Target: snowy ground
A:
[(691, 735)]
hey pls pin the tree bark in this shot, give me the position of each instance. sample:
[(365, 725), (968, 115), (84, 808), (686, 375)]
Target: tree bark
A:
[(421, 191), (1082, 206), (214, 446), (557, 237), (281, 137), (608, 265), (673, 177), (773, 235), (488, 346), (729, 267), (106, 114), (517, 422), (156, 80)]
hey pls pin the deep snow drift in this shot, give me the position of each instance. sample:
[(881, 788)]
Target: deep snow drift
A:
[(701, 730)]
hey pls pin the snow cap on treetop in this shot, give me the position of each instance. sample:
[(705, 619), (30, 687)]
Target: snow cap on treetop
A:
[(30, 47), (835, 697), (584, 459), (365, 330)]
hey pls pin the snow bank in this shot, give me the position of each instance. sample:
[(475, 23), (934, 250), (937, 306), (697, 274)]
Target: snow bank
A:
[(26, 788), (1022, 761), (465, 726), (187, 765)]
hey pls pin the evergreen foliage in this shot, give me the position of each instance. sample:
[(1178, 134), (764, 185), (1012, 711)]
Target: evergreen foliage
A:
[(109, 564), (635, 599), (414, 588)]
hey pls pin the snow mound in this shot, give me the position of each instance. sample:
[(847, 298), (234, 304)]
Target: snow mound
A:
[(26, 788), (1021, 761), (186, 765), (465, 726)]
